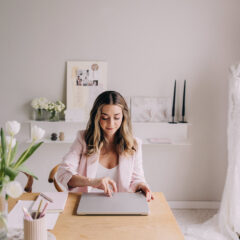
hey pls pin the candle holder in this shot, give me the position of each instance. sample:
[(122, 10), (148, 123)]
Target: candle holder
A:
[(173, 122), (182, 121)]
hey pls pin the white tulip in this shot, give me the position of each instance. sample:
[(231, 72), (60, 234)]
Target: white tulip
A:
[(8, 141), (12, 127), (37, 133), (14, 189)]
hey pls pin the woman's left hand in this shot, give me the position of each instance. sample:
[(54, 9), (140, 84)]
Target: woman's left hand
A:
[(143, 187)]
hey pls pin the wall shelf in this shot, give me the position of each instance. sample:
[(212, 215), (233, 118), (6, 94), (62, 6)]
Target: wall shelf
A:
[(154, 133)]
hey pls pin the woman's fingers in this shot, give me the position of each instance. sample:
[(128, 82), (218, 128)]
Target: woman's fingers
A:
[(147, 192), (104, 187), (148, 195), (152, 197), (114, 185), (108, 190), (107, 183)]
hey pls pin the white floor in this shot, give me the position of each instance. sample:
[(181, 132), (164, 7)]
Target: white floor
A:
[(186, 217)]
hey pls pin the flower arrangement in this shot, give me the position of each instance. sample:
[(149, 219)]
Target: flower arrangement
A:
[(9, 168), (43, 106), (54, 109), (40, 105)]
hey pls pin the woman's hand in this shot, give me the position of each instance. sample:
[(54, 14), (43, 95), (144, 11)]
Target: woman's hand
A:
[(143, 187), (106, 184)]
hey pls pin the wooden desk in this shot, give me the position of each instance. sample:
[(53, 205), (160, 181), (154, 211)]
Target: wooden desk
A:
[(159, 225)]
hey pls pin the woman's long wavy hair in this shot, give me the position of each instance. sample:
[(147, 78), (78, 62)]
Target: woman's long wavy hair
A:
[(94, 136)]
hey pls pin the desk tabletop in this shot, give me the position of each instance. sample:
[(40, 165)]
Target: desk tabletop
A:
[(159, 224)]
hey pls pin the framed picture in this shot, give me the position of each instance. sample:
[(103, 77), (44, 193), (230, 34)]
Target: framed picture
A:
[(150, 109), (85, 81)]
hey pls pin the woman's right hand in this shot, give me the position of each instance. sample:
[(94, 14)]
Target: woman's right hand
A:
[(106, 184)]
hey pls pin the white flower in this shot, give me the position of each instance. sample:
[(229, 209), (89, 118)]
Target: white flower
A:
[(40, 103), (37, 133), (51, 106), (14, 189), (8, 140), (57, 106), (13, 127)]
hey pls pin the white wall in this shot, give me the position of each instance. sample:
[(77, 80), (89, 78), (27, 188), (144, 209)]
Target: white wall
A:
[(147, 45)]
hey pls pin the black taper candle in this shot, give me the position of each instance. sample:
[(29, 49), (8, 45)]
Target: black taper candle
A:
[(173, 103), (183, 103)]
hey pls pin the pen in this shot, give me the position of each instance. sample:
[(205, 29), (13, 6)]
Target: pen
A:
[(43, 211), (46, 197), (39, 206), (26, 214)]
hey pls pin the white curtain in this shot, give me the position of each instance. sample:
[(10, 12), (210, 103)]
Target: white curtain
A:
[(226, 223)]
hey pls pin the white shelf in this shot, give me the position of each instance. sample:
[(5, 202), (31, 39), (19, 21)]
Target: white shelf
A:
[(176, 134), (51, 141), (144, 142)]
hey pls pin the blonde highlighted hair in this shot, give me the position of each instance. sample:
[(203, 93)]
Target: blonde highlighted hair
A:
[(94, 137)]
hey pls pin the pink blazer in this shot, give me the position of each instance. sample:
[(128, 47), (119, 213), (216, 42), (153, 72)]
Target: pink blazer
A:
[(75, 162)]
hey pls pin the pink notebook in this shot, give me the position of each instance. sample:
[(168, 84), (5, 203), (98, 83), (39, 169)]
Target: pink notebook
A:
[(58, 204)]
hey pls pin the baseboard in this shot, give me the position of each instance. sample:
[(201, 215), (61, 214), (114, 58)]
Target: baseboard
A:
[(194, 204)]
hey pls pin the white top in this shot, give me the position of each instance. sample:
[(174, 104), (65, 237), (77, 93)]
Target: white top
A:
[(106, 172)]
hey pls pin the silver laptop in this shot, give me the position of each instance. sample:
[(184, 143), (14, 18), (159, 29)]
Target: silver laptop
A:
[(121, 203)]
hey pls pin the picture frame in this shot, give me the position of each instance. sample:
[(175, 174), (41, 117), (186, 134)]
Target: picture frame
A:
[(85, 81)]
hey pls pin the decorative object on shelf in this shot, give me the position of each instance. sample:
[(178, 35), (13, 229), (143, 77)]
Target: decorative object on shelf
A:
[(150, 109), (183, 104), (40, 106), (85, 81), (54, 137), (9, 168), (61, 136), (54, 109), (173, 104)]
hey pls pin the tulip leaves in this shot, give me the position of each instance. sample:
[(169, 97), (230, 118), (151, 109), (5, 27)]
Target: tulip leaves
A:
[(26, 154), (7, 165)]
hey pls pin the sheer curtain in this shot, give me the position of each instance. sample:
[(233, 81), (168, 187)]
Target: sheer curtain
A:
[(226, 223)]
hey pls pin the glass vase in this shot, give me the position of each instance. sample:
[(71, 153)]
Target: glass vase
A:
[(3, 215), (39, 114), (53, 116)]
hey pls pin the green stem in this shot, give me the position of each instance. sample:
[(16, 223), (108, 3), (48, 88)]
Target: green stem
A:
[(20, 161), (9, 150)]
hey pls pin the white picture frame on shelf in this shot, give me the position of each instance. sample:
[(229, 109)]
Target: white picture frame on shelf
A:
[(150, 109), (85, 81)]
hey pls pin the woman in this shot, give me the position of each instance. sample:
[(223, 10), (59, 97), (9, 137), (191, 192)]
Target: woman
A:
[(105, 156)]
